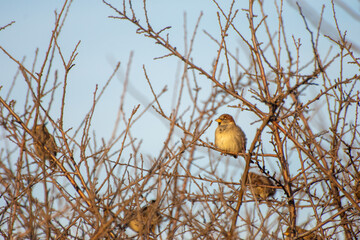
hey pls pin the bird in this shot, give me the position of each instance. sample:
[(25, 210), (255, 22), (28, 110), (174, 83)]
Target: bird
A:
[(42, 139), (228, 136), (145, 220), (261, 186), (357, 190), (299, 231)]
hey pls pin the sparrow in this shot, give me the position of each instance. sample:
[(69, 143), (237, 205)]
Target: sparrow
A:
[(299, 231), (144, 220), (261, 186), (228, 136), (357, 190), (42, 138)]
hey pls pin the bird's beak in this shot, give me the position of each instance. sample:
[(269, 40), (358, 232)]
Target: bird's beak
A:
[(218, 120)]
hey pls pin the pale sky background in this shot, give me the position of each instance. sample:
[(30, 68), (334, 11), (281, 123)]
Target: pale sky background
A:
[(105, 41)]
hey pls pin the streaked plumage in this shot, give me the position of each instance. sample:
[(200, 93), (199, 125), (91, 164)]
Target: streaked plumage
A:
[(357, 190), (260, 186), (145, 220), (44, 138)]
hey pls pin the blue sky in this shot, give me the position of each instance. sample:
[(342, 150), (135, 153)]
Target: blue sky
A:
[(106, 41)]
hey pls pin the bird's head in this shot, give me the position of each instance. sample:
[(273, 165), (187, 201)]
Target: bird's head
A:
[(225, 119)]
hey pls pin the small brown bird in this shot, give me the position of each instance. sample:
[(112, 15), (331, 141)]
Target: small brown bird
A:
[(145, 220), (299, 231), (357, 190), (228, 136), (260, 186), (44, 139)]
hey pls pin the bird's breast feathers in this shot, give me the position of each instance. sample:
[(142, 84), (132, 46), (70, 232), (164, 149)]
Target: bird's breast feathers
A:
[(228, 140)]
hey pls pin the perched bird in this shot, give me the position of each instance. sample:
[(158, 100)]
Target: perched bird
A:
[(260, 186), (228, 136), (145, 220), (299, 231), (44, 139), (357, 190)]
